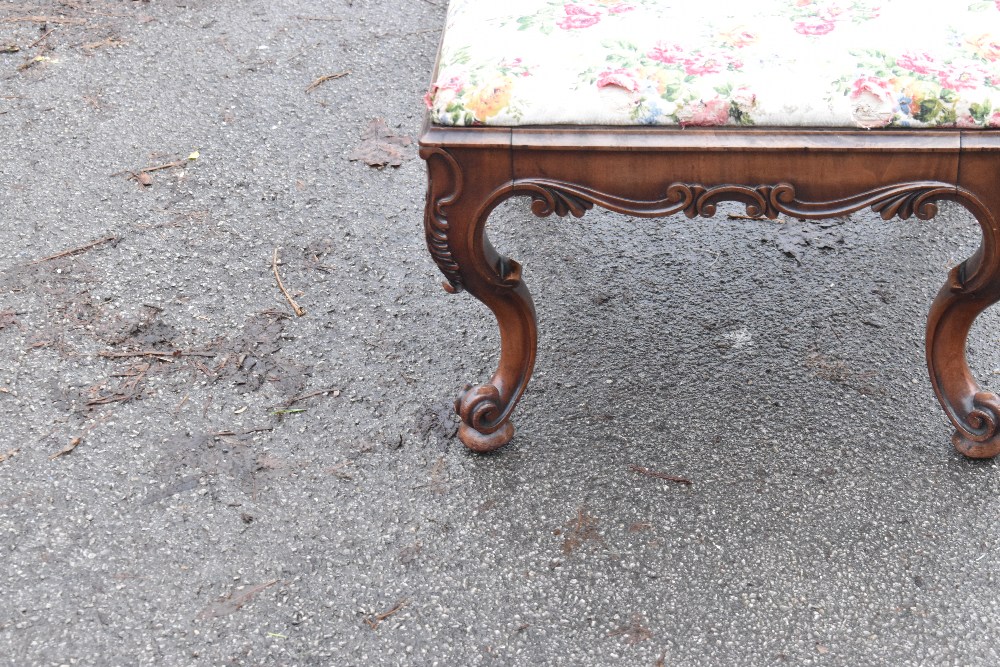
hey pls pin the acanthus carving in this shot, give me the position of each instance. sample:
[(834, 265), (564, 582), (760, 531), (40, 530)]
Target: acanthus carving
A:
[(435, 219), (562, 198), (903, 200)]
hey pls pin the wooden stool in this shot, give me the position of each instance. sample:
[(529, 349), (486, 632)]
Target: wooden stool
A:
[(811, 109)]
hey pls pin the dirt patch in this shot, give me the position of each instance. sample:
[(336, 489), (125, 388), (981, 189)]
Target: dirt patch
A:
[(253, 357), (833, 369)]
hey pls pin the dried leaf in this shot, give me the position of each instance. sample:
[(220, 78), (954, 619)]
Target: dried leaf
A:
[(582, 530), (10, 48), (194, 156), (144, 179), (380, 147)]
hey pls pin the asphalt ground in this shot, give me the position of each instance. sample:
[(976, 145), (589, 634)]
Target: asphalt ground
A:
[(277, 490)]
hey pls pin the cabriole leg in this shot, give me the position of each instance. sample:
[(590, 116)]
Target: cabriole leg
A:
[(972, 287), (455, 221)]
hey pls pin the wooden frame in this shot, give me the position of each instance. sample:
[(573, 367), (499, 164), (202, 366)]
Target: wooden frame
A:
[(652, 172)]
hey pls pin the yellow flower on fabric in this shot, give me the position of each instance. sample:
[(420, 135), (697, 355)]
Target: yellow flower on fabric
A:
[(916, 91), (490, 99), (986, 46), (739, 37), (660, 77)]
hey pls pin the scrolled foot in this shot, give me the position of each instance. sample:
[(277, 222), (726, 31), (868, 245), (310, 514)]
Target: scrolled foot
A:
[(980, 436), (485, 420)]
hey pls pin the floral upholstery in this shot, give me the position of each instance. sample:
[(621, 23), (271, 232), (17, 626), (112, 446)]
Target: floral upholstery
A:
[(803, 63)]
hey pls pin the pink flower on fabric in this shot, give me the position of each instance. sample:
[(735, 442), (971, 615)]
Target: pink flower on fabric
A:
[(994, 120), (670, 53), (443, 91), (622, 78), (814, 27), (702, 114), (963, 75), (578, 17), (872, 85), (966, 120), (744, 98), (874, 102), (619, 9), (921, 63), (452, 83), (574, 22), (831, 12), (702, 66), (710, 64)]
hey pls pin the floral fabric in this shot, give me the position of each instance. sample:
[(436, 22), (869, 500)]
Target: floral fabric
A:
[(800, 63)]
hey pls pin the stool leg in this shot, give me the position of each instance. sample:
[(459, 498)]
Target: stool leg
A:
[(455, 221), (485, 409), (972, 287)]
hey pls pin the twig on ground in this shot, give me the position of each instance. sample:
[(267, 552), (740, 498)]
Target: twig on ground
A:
[(338, 470), (376, 619), (142, 176), (127, 391), (261, 429), (154, 353), (9, 455), (44, 19), (406, 34), (659, 475), (67, 449), (112, 398), (31, 62), (161, 167), (42, 38), (321, 392), (299, 312), (83, 248), (234, 602), (323, 79)]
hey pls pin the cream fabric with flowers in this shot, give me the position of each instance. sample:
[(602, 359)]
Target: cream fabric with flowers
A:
[(802, 63)]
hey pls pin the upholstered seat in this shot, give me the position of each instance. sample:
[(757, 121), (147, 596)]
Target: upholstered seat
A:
[(801, 63)]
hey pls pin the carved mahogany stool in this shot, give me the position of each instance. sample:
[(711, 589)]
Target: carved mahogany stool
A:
[(807, 108)]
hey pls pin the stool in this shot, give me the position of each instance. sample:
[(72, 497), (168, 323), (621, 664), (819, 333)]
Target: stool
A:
[(807, 108)]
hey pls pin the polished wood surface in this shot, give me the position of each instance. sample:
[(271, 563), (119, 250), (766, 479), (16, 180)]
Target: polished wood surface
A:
[(654, 172)]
